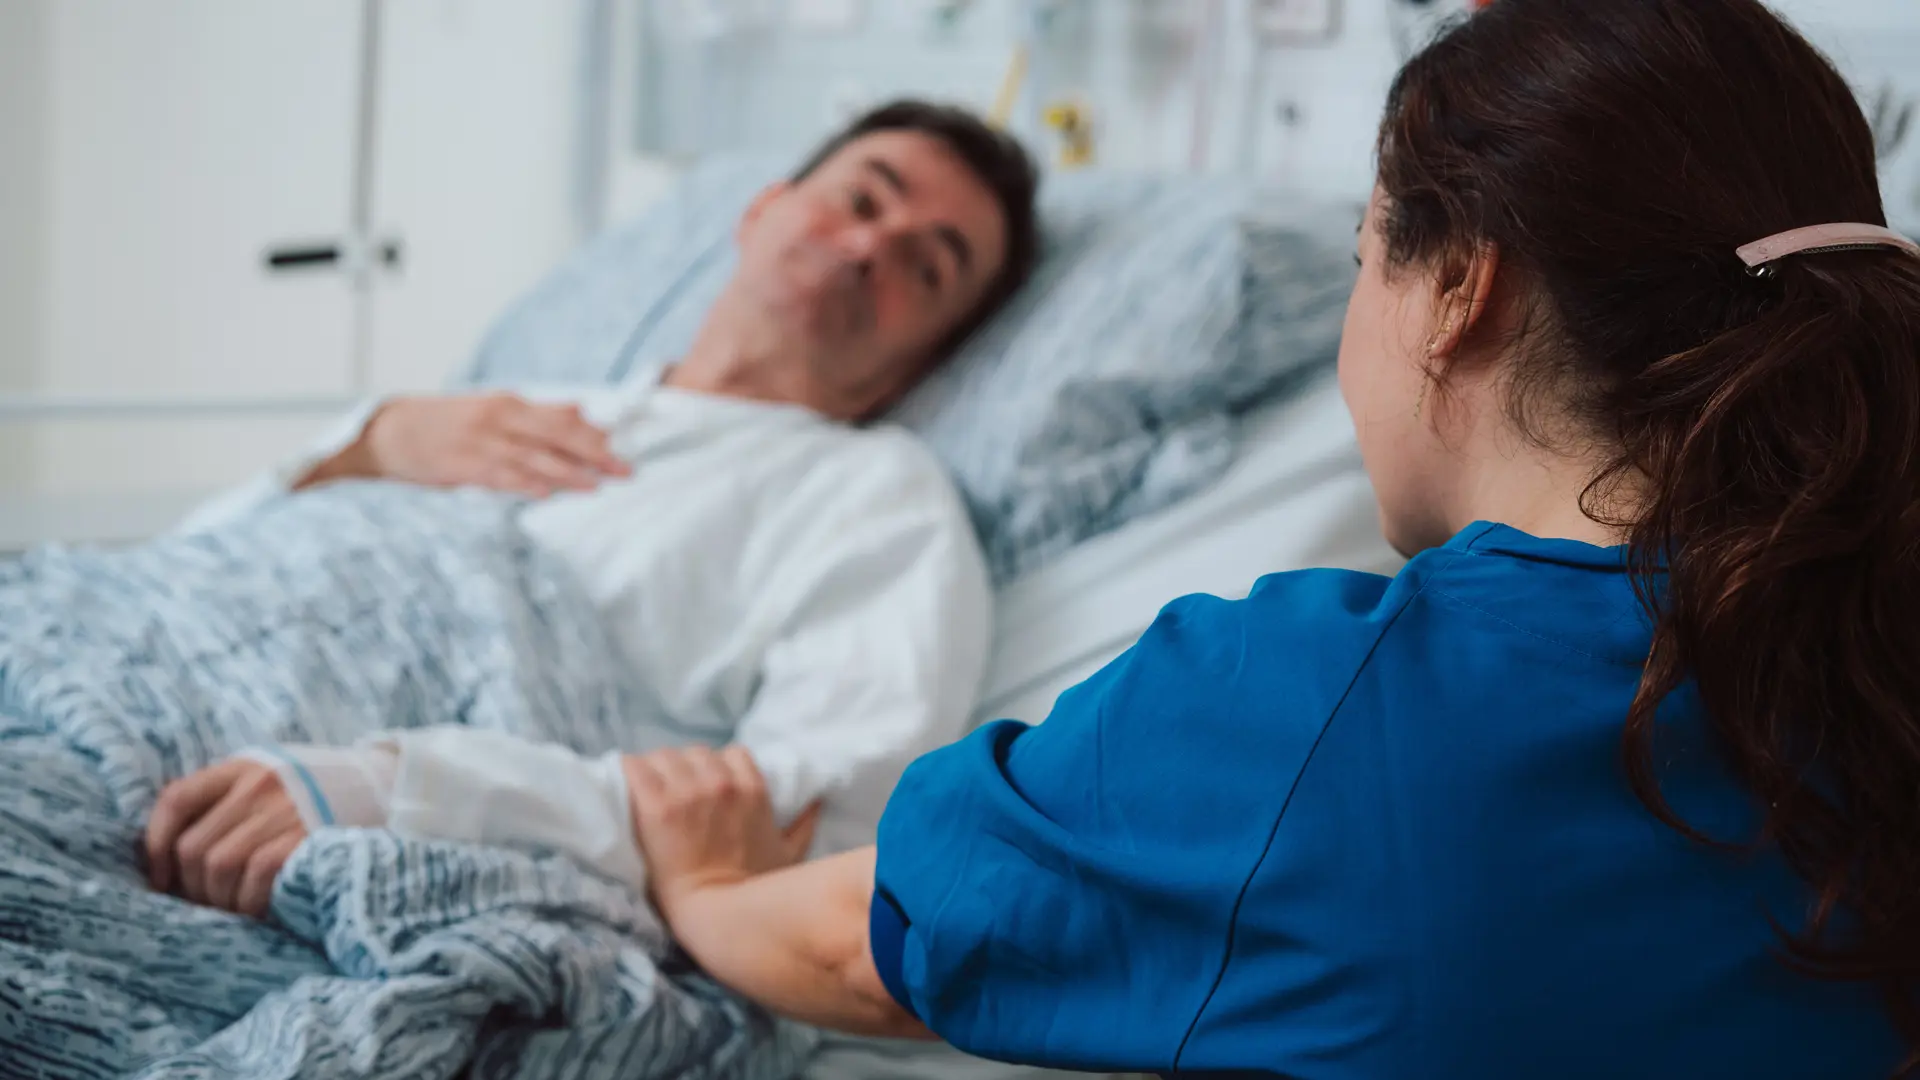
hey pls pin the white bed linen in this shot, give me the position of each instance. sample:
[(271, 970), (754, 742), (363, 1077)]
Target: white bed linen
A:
[(1295, 497)]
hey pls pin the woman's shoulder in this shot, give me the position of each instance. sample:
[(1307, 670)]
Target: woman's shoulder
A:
[(1296, 627), (1320, 602), (1492, 590), (1301, 626)]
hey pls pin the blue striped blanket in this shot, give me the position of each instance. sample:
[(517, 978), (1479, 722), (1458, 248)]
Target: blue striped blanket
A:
[(319, 619)]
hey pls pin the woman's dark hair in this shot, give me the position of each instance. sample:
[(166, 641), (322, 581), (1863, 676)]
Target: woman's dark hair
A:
[(996, 157), (1616, 153)]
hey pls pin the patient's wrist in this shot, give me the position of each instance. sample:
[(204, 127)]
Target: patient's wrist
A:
[(334, 786), (354, 462)]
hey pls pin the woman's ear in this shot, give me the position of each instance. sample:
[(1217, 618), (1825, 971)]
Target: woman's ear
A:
[(1462, 306), (759, 205)]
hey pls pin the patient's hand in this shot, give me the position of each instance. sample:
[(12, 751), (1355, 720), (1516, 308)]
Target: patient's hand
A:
[(486, 440), (702, 817), (220, 836)]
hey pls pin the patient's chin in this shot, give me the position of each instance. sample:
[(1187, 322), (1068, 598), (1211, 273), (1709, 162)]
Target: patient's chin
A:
[(832, 319)]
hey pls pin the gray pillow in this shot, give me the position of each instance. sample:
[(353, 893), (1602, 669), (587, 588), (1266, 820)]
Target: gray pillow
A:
[(1111, 387)]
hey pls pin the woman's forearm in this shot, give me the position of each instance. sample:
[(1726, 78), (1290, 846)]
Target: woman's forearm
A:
[(795, 942)]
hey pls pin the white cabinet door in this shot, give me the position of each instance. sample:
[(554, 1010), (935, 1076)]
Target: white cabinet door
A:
[(477, 153), (185, 140)]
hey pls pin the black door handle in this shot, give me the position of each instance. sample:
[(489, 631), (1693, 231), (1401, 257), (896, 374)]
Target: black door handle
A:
[(303, 258)]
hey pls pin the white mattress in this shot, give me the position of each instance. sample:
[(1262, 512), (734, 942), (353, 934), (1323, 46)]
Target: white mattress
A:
[(1295, 497)]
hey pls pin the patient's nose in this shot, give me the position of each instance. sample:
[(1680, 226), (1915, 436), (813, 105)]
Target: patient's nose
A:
[(863, 246), (862, 243)]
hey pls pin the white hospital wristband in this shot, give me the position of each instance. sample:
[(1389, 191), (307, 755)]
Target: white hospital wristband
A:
[(334, 786)]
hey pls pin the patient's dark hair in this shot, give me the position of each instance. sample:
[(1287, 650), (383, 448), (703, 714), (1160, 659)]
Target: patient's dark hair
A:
[(995, 157), (1616, 152)]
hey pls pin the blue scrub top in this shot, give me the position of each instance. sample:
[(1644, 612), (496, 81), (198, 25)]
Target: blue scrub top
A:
[(1353, 828)]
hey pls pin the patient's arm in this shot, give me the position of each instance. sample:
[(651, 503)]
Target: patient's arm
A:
[(794, 939), (536, 441), (882, 655), (499, 441), (220, 835), (471, 784)]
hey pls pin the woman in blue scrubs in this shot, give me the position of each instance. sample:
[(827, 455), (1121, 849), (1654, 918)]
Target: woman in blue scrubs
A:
[(1619, 778)]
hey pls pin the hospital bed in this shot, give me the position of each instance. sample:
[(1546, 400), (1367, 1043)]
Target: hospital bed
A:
[(1296, 496), (1155, 415)]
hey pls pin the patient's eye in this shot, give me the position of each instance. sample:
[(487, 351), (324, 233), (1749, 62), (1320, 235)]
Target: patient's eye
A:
[(916, 257), (1356, 260), (864, 206)]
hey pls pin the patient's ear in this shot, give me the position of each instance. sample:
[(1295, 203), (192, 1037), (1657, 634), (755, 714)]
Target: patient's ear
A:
[(759, 206)]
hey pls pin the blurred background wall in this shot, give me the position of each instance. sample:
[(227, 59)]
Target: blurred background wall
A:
[(221, 221)]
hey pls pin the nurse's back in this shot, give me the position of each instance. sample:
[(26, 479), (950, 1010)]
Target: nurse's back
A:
[(1352, 828), (1587, 310), (1461, 883)]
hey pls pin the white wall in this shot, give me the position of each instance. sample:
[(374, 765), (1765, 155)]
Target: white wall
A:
[(23, 76), (1141, 65), (1877, 44), (23, 94), (183, 140), (1305, 115), (474, 171), (476, 152)]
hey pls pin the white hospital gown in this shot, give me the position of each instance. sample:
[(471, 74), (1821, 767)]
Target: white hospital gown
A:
[(811, 590)]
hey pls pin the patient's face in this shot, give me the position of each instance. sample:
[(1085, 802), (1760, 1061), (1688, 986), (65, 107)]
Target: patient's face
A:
[(864, 268), (1383, 377)]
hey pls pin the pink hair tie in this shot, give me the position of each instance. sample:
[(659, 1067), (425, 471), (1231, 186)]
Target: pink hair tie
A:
[(1821, 238)]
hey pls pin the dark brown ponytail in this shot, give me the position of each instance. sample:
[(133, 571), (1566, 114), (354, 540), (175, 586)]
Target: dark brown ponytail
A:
[(1618, 152)]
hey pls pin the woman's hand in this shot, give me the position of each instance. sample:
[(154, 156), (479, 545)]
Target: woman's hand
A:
[(791, 938), (220, 836), (703, 819)]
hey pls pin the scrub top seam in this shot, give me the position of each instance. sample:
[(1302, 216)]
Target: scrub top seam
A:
[(1536, 635), (1233, 919), (1467, 545)]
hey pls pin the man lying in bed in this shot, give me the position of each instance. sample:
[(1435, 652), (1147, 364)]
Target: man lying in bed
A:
[(775, 572)]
